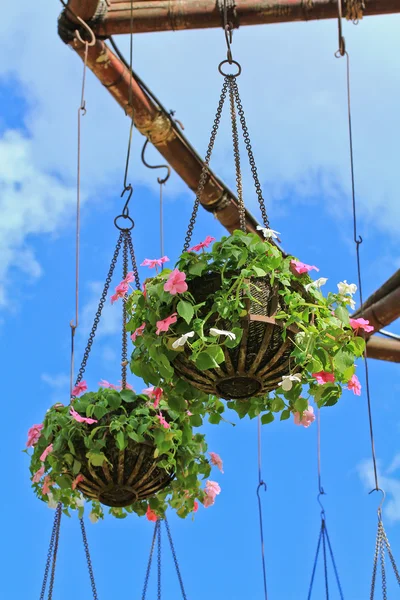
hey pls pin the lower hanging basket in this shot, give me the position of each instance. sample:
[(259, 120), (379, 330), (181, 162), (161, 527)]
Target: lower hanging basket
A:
[(129, 475), (254, 367)]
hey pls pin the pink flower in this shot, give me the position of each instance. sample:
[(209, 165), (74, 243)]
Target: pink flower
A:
[(189, 414), (165, 324), (120, 291), (144, 290), (208, 501), (211, 490), (151, 515), (47, 483), (216, 460), (204, 244), (127, 386), (195, 506), (358, 324), (34, 435), (38, 475), (154, 393), (153, 262), (105, 384), (299, 267), (79, 388), (355, 385), (129, 277), (138, 332), (77, 480), (162, 421), (46, 452), (176, 283), (80, 419), (324, 377), (306, 419)]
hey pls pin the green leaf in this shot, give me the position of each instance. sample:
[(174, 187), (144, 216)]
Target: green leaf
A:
[(359, 343), (121, 442), (96, 458), (285, 415), (128, 395), (233, 343), (165, 367), (185, 310), (342, 314), (114, 400), (342, 361), (197, 268), (76, 467), (100, 411), (259, 272), (277, 405), (205, 361), (301, 404), (267, 418), (177, 403), (196, 420), (214, 419)]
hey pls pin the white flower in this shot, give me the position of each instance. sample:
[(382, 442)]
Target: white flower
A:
[(318, 283), (268, 233), (346, 288), (51, 503), (229, 334), (182, 340), (350, 301), (287, 381), (79, 502), (93, 517)]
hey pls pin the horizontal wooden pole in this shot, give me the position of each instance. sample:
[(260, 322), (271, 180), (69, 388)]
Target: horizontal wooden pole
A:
[(173, 15), (383, 306), (383, 349)]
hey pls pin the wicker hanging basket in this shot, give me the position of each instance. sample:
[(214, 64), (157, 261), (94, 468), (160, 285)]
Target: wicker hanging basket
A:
[(256, 366), (130, 475)]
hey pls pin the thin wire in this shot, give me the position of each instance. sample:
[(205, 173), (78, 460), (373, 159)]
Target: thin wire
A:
[(358, 241), (261, 484), (127, 186), (74, 326), (320, 488), (161, 224), (389, 334)]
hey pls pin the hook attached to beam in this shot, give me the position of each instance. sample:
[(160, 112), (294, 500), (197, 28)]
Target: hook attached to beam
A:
[(146, 164)]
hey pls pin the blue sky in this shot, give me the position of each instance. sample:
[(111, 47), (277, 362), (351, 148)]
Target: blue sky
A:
[(294, 97)]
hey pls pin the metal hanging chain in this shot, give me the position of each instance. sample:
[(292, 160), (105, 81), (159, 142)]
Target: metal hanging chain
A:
[(159, 562), (382, 544), (55, 551), (315, 563), (261, 484), (178, 572), (57, 517), (100, 308), (236, 154), (124, 353), (88, 559), (148, 570), (133, 260), (249, 149), (205, 169)]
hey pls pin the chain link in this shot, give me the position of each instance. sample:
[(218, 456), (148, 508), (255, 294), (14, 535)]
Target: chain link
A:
[(57, 517), (205, 169), (88, 559), (381, 542), (247, 142), (178, 572), (146, 579), (133, 260), (382, 560), (159, 562), (124, 353), (56, 539), (99, 309), (236, 153)]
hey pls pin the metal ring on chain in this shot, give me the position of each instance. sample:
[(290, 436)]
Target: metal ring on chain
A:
[(233, 62), (127, 218)]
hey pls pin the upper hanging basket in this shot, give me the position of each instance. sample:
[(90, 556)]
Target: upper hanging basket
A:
[(254, 367)]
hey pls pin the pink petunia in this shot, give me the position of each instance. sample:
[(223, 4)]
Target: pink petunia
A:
[(127, 386), (195, 506), (154, 393), (216, 460), (46, 452), (120, 291), (358, 324), (144, 290), (105, 384), (79, 388), (299, 267), (211, 490), (129, 277), (77, 480), (176, 283), (355, 385), (138, 332), (153, 262), (202, 245), (80, 419), (306, 419), (165, 324), (150, 514), (38, 475), (34, 435), (208, 501), (47, 483), (324, 377), (162, 421)]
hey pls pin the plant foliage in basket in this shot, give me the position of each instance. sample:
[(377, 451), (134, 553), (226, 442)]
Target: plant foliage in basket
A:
[(242, 314), (135, 453)]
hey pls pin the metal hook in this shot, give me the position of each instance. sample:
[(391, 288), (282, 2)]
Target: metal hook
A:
[(90, 32), (382, 500), (228, 33), (321, 493), (146, 164), (125, 210), (342, 44)]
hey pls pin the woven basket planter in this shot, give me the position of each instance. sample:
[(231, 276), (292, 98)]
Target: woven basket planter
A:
[(256, 366), (131, 474)]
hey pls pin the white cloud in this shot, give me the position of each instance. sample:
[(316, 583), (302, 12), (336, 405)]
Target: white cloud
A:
[(111, 316), (387, 482), (59, 384)]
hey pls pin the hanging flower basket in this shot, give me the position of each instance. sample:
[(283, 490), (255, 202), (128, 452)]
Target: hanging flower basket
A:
[(240, 321), (122, 450)]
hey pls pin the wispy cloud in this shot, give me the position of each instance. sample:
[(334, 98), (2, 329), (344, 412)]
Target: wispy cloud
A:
[(111, 316), (59, 384)]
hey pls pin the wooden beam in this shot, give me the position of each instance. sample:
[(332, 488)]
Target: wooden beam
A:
[(173, 15), (383, 349), (383, 306)]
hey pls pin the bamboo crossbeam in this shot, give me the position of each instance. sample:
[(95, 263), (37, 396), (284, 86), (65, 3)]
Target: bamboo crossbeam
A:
[(383, 349), (383, 306)]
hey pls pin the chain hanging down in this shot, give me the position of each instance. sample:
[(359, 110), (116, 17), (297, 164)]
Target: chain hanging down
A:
[(157, 538), (381, 538)]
